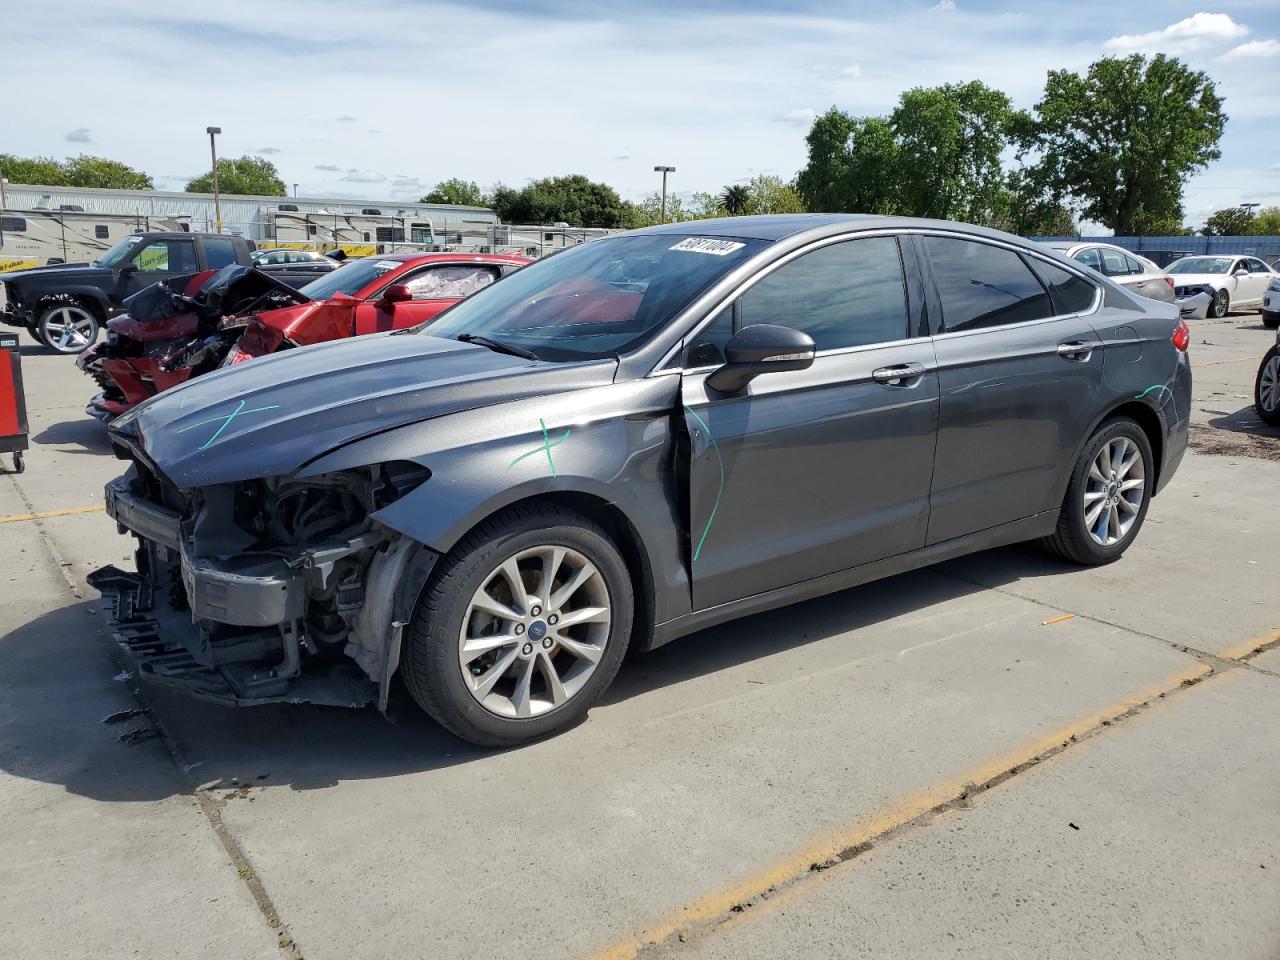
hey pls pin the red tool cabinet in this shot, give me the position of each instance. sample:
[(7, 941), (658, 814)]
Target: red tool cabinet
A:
[(13, 403)]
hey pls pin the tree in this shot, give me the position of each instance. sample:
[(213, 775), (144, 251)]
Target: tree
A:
[(734, 198), (648, 212), (852, 167), (769, 194), (1123, 139), (949, 140), (81, 171), (254, 176), (574, 200), (1029, 208), (1267, 222), (1229, 222), (455, 190)]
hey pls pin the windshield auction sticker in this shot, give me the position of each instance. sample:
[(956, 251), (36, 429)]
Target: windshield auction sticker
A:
[(717, 248)]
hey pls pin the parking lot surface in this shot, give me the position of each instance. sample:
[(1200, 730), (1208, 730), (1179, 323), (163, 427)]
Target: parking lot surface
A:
[(1003, 756)]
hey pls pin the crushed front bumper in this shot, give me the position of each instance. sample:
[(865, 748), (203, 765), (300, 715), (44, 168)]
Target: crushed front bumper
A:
[(259, 595), (1194, 306)]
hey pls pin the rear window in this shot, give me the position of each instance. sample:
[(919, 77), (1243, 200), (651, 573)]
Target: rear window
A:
[(983, 285), (1069, 293)]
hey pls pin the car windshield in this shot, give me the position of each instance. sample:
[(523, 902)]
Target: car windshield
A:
[(118, 252), (350, 278), (597, 299), (1201, 265)]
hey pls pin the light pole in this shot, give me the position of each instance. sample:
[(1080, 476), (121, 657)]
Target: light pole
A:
[(213, 152), (664, 171), (1248, 207), (295, 191)]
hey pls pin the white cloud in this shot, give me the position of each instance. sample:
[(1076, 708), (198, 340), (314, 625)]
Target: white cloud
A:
[(268, 151), (407, 183), (329, 167), (1193, 33), (363, 176), (78, 135), (346, 118), (802, 117), (945, 5), (853, 70), (1252, 50)]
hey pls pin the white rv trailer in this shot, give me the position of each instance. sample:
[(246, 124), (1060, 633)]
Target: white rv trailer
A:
[(360, 227)]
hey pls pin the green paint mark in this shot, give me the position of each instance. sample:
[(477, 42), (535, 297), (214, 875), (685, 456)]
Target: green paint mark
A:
[(1154, 386), (226, 421), (715, 506), (545, 447)]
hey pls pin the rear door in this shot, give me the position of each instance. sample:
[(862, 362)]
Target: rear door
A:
[(1019, 379), (435, 288), (810, 472)]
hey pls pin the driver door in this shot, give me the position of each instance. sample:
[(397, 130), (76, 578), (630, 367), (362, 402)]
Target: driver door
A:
[(810, 472), (156, 261)]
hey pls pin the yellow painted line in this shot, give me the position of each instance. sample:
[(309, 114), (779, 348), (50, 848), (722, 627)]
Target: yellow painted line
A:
[(1249, 646), (1214, 363), (898, 813), (1053, 620), (17, 517)]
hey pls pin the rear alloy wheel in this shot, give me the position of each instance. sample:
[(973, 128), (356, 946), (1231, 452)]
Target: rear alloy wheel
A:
[(1221, 304), (67, 327), (522, 627), (1107, 497), (1266, 388)]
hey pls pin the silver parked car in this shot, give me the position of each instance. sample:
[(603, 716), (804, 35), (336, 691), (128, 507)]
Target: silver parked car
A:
[(1125, 268)]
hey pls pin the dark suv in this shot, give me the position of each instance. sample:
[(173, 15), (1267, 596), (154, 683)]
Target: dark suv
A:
[(625, 443)]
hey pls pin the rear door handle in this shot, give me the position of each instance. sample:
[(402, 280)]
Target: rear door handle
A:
[(900, 374), (1075, 350)]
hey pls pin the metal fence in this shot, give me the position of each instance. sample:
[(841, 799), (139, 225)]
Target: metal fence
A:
[(1164, 250)]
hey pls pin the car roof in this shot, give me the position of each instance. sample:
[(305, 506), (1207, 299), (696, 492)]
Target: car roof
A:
[(450, 257), (774, 227)]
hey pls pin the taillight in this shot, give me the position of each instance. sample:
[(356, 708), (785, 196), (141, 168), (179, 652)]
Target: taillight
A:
[(1181, 336), (1169, 281)]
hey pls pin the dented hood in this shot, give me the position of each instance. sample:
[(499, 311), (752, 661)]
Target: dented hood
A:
[(272, 416)]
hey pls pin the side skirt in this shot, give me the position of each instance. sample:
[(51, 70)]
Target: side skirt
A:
[(1030, 528)]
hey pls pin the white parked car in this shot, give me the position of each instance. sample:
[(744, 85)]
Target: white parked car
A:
[(1236, 281), (1271, 303)]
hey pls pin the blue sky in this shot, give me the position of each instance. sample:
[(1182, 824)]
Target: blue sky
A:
[(382, 98)]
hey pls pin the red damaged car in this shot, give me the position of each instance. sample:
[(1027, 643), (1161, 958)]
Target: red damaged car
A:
[(177, 331)]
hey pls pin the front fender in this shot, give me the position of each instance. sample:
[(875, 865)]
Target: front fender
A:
[(79, 291), (614, 443)]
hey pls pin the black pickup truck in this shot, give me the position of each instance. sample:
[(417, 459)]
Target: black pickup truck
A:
[(65, 305)]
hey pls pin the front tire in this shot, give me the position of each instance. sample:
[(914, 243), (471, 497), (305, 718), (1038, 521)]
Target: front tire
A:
[(67, 327), (1270, 320), (1107, 497), (521, 628), (1221, 305), (1266, 388)]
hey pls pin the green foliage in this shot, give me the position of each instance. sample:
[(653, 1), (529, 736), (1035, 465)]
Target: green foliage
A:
[(574, 200), (455, 190), (1123, 139), (767, 194), (949, 140), (734, 198), (853, 165), (648, 212), (1229, 222), (81, 171), (1028, 207), (1266, 223), (253, 176)]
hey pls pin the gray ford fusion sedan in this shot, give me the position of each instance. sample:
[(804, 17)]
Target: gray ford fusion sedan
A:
[(625, 443)]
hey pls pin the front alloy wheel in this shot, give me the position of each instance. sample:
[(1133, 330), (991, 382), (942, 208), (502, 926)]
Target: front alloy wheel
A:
[(1266, 389), (67, 328), (520, 627), (534, 631), (1221, 304)]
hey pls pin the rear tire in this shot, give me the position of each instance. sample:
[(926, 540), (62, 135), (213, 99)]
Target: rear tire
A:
[(1270, 320), (1106, 502), (1266, 388), (1221, 305), (531, 677)]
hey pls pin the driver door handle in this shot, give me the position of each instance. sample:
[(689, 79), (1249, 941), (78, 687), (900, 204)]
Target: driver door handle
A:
[(898, 375), (1075, 350)]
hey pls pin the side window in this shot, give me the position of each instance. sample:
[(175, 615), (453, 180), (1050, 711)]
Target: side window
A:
[(13, 224), (1113, 263), (100, 232), (848, 294), (983, 285), (219, 251), (449, 283), (707, 348), (1257, 266), (1069, 293), (167, 256), (1089, 257), (1134, 266)]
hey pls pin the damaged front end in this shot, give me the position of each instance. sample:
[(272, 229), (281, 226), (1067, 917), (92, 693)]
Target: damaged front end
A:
[(265, 591)]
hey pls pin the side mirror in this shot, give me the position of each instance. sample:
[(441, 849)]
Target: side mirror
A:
[(761, 348), (1242, 272), (396, 293), (128, 269)]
